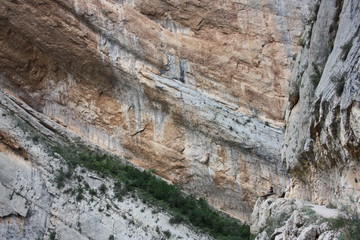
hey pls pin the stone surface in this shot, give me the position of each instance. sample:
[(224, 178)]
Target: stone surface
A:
[(321, 143), (309, 233), (290, 219), (194, 90), (182, 87), (32, 207)]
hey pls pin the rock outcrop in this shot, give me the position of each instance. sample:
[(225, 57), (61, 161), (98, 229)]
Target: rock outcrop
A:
[(192, 89), (321, 144), (290, 219), (33, 207)]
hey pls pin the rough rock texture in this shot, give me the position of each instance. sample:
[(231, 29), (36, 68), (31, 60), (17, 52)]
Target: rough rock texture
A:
[(193, 89), (32, 207), (290, 219), (321, 144)]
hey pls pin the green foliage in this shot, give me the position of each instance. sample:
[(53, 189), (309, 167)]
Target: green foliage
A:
[(176, 219), (68, 191), (111, 237), (103, 188), (86, 186), (185, 208), (36, 138), (62, 176), (167, 234), (80, 195), (346, 49), (316, 76), (273, 223), (351, 227), (52, 235), (301, 42), (92, 192), (307, 210)]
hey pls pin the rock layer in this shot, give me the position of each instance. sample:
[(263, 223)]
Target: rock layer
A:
[(292, 219), (33, 207), (180, 87)]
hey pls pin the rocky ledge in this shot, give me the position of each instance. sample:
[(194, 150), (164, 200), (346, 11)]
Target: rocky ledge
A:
[(291, 219)]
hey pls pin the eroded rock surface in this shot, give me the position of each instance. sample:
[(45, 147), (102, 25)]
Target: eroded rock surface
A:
[(33, 207), (192, 89), (290, 219), (321, 144)]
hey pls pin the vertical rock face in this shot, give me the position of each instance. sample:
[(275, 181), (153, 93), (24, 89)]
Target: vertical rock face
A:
[(191, 89), (321, 144)]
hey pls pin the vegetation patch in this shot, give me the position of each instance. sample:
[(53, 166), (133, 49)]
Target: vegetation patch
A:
[(185, 208), (128, 179), (301, 42), (316, 76), (276, 222), (339, 84), (350, 227), (52, 235), (346, 49), (103, 188), (79, 195), (167, 234)]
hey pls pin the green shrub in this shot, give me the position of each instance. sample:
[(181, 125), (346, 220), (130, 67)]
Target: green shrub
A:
[(52, 235), (350, 227), (92, 192), (273, 223), (301, 42), (36, 138), (185, 208), (346, 49), (62, 177), (79, 195), (103, 188), (176, 219), (316, 76), (67, 190), (167, 234)]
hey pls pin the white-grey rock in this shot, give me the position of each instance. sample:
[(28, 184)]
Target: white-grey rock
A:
[(12, 203), (330, 235), (309, 233), (321, 143), (32, 207), (289, 219)]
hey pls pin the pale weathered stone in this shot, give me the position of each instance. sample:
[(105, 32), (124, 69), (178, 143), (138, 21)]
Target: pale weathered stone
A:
[(192, 89), (321, 144), (309, 233), (289, 219), (32, 207), (183, 87)]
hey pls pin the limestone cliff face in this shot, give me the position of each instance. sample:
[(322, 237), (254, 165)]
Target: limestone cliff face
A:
[(321, 144), (192, 89), (32, 206)]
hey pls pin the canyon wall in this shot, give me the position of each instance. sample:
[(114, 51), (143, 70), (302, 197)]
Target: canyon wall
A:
[(34, 206), (321, 144), (192, 89)]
